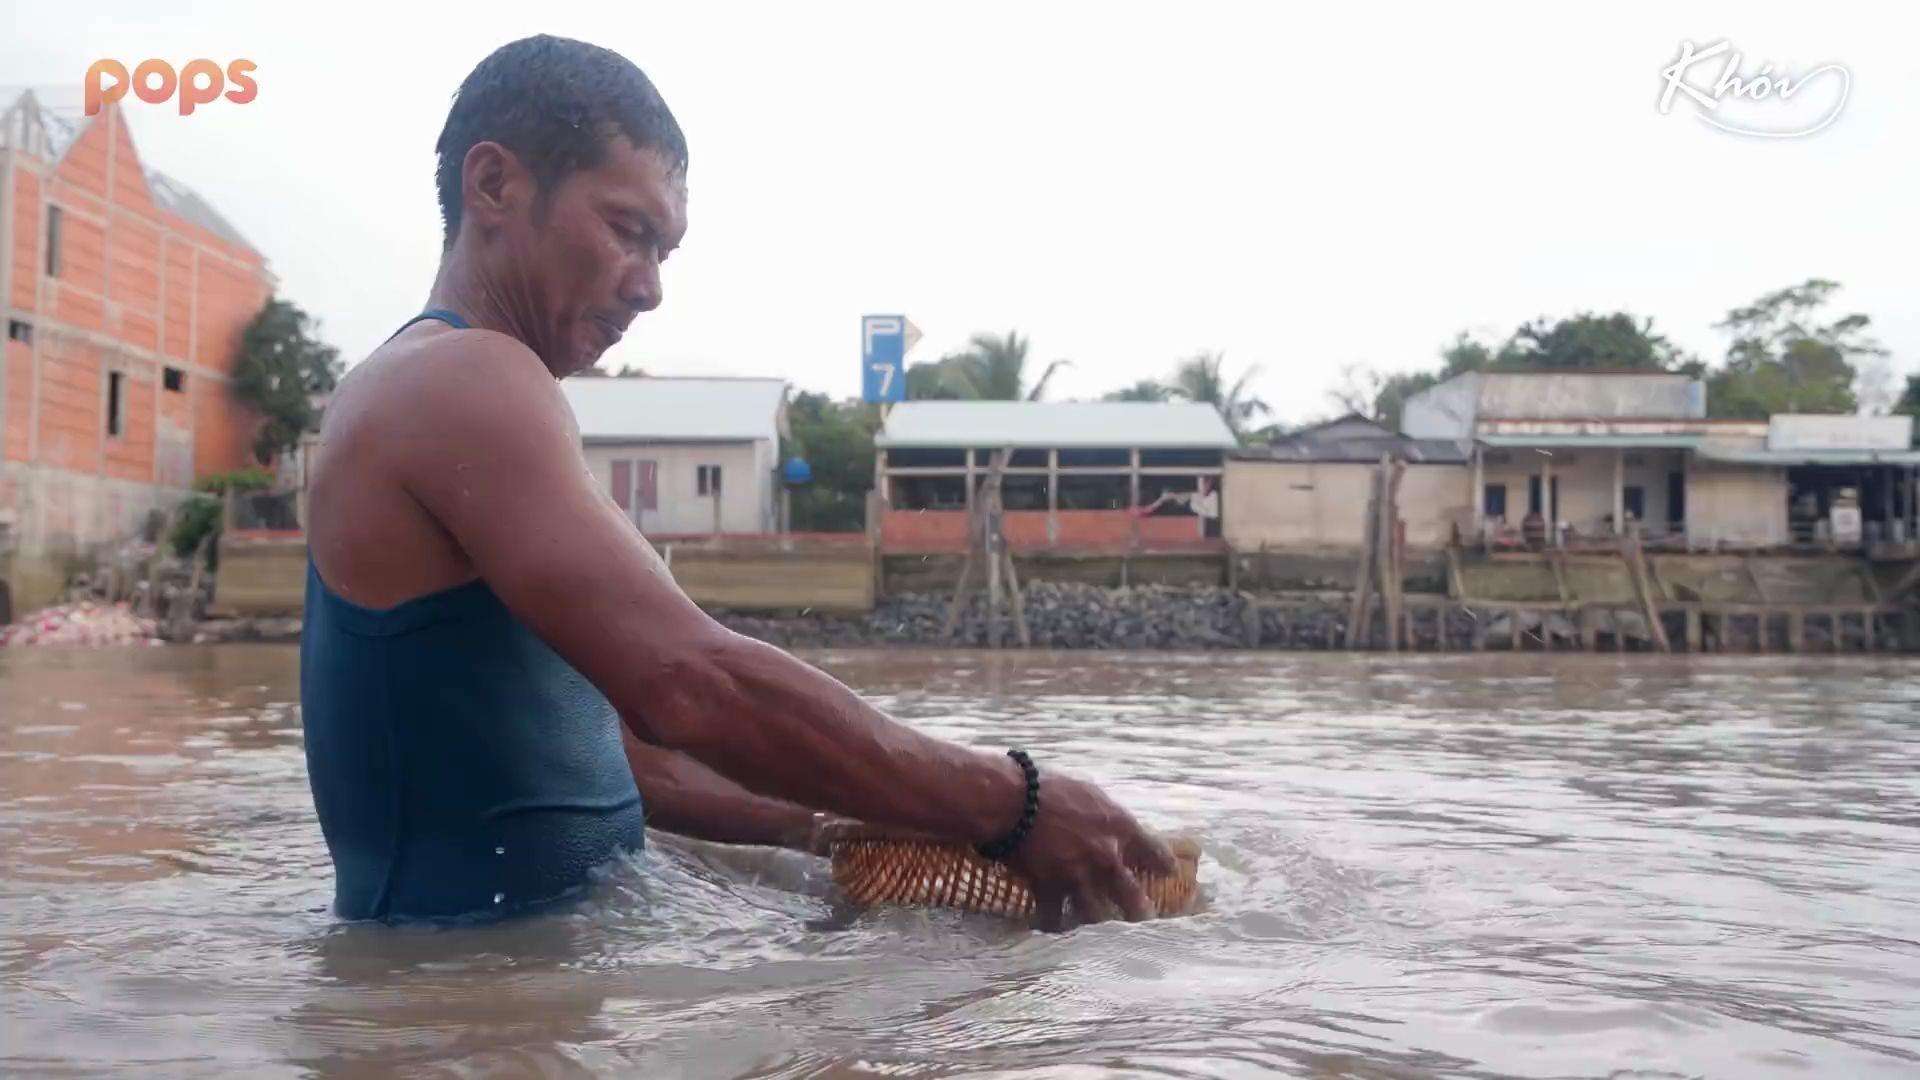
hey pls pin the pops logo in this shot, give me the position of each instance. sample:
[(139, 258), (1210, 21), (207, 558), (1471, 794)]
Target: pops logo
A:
[(155, 81)]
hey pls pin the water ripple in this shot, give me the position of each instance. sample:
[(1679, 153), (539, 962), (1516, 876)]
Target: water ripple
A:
[(1415, 867)]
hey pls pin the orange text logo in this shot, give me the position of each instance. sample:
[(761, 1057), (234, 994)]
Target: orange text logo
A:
[(155, 81)]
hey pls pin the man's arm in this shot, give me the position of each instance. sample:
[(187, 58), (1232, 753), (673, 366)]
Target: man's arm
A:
[(491, 453), (686, 798)]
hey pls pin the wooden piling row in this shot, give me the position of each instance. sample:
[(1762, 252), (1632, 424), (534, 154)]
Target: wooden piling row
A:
[(1428, 624)]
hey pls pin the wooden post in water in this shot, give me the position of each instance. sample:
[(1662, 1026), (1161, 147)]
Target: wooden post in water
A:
[(1358, 613), (1693, 628), (1387, 552), (1019, 606), (1637, 571), (1866, 630)]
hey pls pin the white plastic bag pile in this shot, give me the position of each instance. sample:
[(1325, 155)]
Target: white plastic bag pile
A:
[(84, 623)]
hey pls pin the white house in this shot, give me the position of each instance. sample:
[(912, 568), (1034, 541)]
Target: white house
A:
[(685, 456)]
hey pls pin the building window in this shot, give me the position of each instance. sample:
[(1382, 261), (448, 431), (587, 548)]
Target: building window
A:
[(929, 492), (174, 380), (1094, 492), (1635, 499), (53, 241), (116, 383), (917, 458), (1096, 459), (708, 479), (20, 330), (1494, 501)]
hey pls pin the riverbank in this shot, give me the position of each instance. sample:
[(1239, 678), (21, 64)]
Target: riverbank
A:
[(1064, 616)]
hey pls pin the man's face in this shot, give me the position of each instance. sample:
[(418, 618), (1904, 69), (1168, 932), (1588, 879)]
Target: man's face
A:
[(595, 250)]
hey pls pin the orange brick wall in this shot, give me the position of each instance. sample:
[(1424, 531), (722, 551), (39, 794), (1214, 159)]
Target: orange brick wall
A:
[(19, 404), (139, 290), (946, 530), (24, 235)]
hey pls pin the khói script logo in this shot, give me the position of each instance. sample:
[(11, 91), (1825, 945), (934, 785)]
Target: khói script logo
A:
[(1767, 99)]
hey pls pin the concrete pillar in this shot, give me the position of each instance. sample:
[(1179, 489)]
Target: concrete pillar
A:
[(1693, 629), (1053, 498), (1619, 492), (1479, 494), (1547, 501), (1133, 498)]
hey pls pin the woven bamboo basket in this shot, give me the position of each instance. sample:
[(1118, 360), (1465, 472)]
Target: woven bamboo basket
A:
[(875, 868)]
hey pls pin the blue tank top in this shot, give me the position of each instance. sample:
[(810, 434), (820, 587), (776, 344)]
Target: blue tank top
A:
[(460, 768)]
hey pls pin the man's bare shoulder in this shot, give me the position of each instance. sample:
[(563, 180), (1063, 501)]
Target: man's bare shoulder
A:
[(458, 390)]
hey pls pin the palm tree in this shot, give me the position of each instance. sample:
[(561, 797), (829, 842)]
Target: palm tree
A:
[(1144, 390), (1203, 379), (991, 369)]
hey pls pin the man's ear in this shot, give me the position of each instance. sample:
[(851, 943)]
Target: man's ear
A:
[(495, 185)]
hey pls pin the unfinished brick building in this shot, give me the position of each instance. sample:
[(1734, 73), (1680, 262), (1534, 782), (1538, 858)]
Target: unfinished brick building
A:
[(125, 297)]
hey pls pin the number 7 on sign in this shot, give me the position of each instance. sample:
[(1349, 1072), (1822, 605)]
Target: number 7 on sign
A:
[(884, 343)]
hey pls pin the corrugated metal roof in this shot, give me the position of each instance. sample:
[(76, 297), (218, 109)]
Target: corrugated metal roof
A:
[(675, 409), (35, 124), (1741, 456), (1053, 424), (171, 194)]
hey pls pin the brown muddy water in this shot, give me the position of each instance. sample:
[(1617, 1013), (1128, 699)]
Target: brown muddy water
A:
[(1424, 867)]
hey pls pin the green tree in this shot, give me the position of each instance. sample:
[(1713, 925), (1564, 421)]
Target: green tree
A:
[(1616, 341), (1203, 378), (1377, 395), (281, 367), (990, 369), (1782, 359), (1144, 390), (836, 440), (627, 371)]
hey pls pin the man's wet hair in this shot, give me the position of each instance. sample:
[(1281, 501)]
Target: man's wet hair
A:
[(556, 103)]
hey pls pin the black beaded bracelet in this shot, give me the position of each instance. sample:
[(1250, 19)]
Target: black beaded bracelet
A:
[(1002, 849)]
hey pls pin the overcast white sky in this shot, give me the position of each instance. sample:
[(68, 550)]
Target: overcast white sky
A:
[(1303, 187)]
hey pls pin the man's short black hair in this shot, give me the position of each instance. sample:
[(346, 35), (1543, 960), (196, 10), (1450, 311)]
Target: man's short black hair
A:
[(555, 103)]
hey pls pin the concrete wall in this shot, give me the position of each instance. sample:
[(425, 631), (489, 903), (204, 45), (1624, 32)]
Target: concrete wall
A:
[(140, 290), (267, 576), (746, 486), (1738, 504), (1586, 484), (1576, 396), (837, 578), (1304, 505), (260, 577)]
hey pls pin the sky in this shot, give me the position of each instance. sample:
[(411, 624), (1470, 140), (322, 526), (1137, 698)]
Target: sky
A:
[(1303, 188)]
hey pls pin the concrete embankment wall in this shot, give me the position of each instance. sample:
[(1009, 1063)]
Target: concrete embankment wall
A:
[(266, 576), (1781, 581)]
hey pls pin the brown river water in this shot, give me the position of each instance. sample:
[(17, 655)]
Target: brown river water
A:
[(1513, 866)]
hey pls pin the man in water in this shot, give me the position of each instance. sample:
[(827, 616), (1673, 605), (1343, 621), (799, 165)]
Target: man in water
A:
[(501, 683)]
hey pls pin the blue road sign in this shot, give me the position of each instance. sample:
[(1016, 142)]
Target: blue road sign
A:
[(884, 341)]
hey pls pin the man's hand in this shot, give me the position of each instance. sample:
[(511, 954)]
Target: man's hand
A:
[(1082, 848)]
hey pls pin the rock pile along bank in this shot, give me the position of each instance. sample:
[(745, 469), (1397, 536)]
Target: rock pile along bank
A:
[(1066, 616)]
